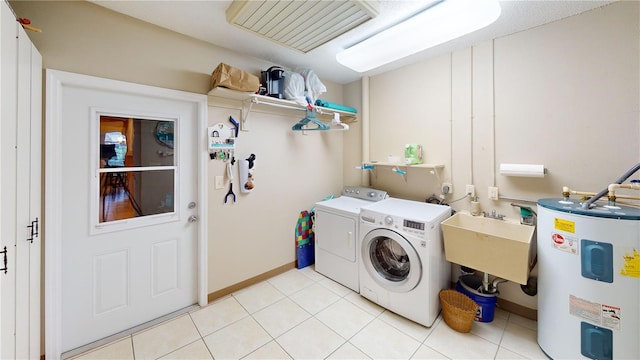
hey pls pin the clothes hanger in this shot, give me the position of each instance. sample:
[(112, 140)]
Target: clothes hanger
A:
[(339, 125), (310, 117)]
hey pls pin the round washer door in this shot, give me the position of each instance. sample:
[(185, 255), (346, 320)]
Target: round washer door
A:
[(391, 260)]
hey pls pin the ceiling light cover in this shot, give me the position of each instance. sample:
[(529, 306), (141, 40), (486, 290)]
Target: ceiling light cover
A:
[(300, 25), (443, 22)]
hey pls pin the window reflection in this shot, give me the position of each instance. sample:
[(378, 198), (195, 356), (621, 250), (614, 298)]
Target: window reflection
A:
[(129, 194), (130, 142), (114, 149), (137, 168)]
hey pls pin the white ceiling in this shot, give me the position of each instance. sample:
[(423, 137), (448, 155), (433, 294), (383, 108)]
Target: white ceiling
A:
[(205, 20)]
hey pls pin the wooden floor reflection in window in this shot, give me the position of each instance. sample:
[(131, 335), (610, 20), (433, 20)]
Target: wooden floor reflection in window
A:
[(117, 207), (117, 202)]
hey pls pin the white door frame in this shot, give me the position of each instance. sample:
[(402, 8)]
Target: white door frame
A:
[(55, 80)]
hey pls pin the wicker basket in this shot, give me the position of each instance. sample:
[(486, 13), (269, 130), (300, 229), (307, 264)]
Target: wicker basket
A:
[(458, 310)]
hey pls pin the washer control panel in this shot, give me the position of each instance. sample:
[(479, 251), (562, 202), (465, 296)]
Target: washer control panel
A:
[(414, 227), (364, 193), (395, 223)]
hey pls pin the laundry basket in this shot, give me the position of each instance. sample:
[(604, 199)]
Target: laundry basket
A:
[(458, 310)]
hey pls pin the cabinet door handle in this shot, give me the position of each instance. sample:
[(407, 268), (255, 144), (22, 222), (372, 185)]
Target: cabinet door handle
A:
[(5, 260), (33, 230)]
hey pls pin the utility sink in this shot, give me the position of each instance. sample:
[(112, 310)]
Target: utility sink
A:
[(497, 247)]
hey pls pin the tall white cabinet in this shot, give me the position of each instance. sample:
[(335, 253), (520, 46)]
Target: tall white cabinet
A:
[(20, 190)]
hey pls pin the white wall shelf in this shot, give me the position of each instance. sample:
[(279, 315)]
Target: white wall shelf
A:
[(423, 166), (250, 99), (433, 169)]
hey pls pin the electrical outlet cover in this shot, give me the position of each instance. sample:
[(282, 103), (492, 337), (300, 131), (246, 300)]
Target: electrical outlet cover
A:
[(470, 190), (493, 193)]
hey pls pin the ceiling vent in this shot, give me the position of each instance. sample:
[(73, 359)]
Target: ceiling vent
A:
[(300, 25)]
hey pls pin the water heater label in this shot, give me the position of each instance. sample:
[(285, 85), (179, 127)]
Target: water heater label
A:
[(584, 309), (565, 243), (564, 225), (598, 314), (631, 266), (611, 316)]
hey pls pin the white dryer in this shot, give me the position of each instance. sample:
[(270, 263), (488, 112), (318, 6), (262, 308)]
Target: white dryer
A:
[(336, 227), (402, 266)]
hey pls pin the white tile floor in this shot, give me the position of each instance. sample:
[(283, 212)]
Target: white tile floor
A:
[(303, 315)]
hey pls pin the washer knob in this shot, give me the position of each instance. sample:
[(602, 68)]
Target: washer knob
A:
[(388, 220), (372, 194)]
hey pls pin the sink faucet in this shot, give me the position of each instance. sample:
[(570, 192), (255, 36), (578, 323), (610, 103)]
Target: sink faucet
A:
[(527, 215), (493, 215)]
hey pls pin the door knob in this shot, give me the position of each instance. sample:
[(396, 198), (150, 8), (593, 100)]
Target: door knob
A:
[(193, 218)]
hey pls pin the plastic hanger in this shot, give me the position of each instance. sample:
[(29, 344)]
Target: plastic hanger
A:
[(310, 117), (338, 125)]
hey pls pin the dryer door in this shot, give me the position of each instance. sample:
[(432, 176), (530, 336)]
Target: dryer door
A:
[(336, 234), (391, 260)]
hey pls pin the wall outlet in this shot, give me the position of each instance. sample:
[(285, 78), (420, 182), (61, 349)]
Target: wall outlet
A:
[(219, 182), (470, 190), (493, 193), (447, 188)]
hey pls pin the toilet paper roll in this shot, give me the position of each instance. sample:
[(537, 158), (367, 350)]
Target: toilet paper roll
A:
[(526, 170)]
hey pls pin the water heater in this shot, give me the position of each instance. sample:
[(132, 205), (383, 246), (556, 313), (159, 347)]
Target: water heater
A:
[(588, 281)]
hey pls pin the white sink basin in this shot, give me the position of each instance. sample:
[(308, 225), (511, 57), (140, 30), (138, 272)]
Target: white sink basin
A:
[(497, 247)]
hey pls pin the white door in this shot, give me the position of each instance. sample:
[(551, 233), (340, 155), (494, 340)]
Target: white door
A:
[(20, 190), (8, 129), (28, 195), (125, 159)]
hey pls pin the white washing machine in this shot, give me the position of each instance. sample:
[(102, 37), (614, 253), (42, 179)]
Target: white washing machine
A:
[(336, 227), (402, 265)]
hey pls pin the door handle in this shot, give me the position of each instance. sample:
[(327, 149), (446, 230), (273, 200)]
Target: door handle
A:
[(193, 218)]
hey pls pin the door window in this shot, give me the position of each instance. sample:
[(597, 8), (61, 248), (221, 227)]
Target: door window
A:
[(389, 259), (136, 168)]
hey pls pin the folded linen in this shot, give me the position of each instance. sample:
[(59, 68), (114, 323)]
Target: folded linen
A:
[(335, 106)]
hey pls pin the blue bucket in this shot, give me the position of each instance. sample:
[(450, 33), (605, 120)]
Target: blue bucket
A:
[(486, 302)]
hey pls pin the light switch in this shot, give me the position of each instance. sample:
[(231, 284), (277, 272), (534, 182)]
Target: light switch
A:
[(219, 182)]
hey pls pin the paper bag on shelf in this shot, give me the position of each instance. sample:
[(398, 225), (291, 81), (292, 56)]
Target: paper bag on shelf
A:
[(233, 78)]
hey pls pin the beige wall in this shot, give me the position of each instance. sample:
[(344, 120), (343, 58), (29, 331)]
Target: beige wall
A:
[(293, 171), (81, 37), (411, 105), (352, 154), (564, 95)]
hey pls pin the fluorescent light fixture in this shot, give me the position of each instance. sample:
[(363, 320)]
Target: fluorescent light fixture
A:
[(438, 24)]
